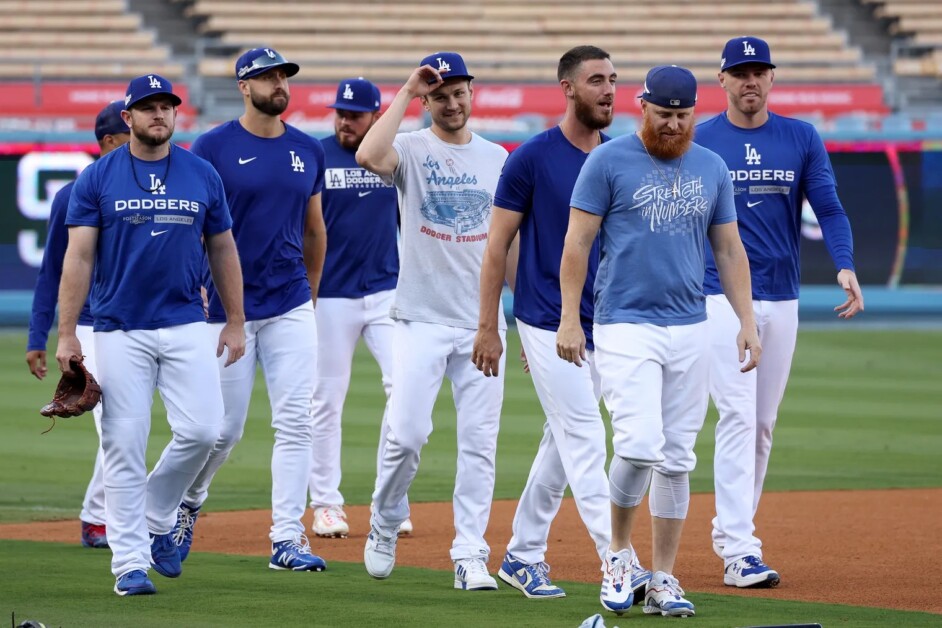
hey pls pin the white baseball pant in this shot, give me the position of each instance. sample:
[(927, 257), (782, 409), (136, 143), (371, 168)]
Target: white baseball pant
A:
[(423, 354), (748, 407), (93, 506), (655, 386), (571, 452), (181, 362), (340, 323), (285, 347)]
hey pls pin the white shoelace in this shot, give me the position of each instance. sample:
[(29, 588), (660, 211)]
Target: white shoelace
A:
[(474, 566), (187, 521)]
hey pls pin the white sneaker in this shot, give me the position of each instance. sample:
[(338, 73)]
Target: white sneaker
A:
[(405, 528), (616, 594), (665, 596), (331, 522), (750, 572), (379, 555), (471, 575)]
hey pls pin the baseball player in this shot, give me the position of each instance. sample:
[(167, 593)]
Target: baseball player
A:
[(111, 132), (533, 198), (273, 174), (356, 292), (446, 176), (139, 216), (775, 163), (655, 197)]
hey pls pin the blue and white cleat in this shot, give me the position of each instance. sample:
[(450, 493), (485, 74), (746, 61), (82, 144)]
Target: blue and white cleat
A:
[(750, 572), (530, 579), (639, 578), (665, 596), (617, 595), (134, 583), (164, 555), (295, 555), (183, 529)]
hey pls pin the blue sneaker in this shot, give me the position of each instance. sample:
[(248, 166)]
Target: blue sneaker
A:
[(665, 596), (295, 556), (639, 578), (750, 572), (617, 594), (530, 579), (164, 555), (134, 583), (183, 529)]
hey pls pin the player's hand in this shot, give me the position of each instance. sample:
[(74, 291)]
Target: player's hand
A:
[(232, 337), (423, 81), (487, 351), (847, 279), (523, 358), (570, 342), (36, 361), (748, 340), (68, 346)]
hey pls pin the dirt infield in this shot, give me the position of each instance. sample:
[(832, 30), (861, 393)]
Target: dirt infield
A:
[(864, 548)]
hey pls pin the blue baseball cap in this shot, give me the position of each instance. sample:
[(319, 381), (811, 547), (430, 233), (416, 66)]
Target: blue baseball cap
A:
[(357, 94), (670, 86), (109, 121), (741, 50), (259, 60), (448, 64), (146, 86)]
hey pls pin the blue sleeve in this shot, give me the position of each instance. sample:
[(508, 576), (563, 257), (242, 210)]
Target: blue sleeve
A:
[(321, 156), (725, 210), (835, 227), (46, 294), (593, 190), (201, 149), (83, 203), (515, 186), (817, 170), (218, 217)]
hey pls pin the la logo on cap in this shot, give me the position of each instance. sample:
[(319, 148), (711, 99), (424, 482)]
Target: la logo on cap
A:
[(154, 83), (347, 92), (443, 65), (748, 50)]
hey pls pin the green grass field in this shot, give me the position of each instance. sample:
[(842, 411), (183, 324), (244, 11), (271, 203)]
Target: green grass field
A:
[(862, 411)]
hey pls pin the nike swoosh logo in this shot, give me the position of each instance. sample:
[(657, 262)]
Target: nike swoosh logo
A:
[(242, 162), (157, 233), (748, 204), (362, 194)]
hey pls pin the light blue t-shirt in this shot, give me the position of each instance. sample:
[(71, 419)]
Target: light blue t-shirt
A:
[(651, 251), (151, 216)]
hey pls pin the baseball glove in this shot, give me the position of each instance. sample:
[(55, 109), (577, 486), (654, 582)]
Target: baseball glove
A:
[(77, 392)]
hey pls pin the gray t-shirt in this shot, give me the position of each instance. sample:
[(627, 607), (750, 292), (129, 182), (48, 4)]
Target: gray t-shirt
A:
[(445, 197)]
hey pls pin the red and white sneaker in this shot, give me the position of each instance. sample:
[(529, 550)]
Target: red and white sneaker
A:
[(330, 522)]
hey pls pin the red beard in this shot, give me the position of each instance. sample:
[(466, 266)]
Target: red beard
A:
[(665, 147)]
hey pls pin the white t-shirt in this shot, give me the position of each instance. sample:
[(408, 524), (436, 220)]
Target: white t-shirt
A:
[(445, 197)]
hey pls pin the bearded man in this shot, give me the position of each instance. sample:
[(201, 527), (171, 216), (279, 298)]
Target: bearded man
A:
[(655, 197), (273, 175), (533, 199)]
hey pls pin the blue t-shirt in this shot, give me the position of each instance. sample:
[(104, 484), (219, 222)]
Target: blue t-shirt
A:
[(537, 181), (651, 251), (360, 212), (150, 254), (773, 168), (269, 183), (46, 294)]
